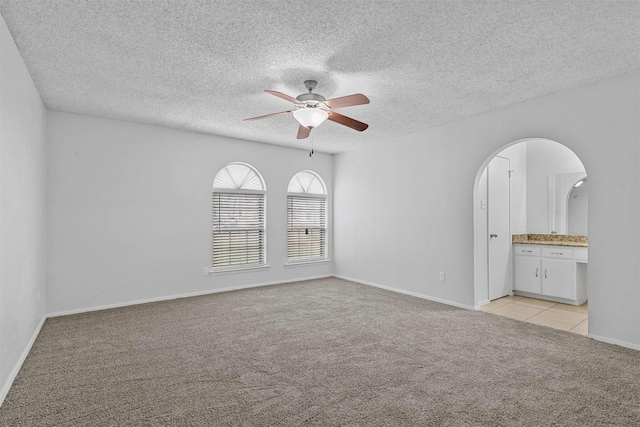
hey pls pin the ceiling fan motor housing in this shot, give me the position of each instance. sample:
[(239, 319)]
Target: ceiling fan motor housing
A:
[(311, 97)]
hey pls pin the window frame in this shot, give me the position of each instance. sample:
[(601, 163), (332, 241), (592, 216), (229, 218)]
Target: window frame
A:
[(262, 221), (324, 229)]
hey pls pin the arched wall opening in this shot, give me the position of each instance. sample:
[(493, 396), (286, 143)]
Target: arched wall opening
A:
[(540, 172)]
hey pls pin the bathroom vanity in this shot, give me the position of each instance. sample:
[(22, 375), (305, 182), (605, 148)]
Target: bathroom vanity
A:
[(554, 270)]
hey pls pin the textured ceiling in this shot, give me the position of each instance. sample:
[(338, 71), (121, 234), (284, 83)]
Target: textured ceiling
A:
[(203, 65)]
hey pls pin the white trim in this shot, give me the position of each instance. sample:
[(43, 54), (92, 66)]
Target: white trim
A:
[(226, 270), (223, 190), (14, 373), (309, 195), (481, 303), (401, 291), (186, 295), (303, 263), (614, 341)]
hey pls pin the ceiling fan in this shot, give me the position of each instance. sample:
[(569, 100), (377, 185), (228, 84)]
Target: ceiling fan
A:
[(313, 109)]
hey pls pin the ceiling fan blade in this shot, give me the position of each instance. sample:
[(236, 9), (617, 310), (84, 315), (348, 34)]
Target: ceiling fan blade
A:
[(268, 115), (347, 101), (283, 96), (303, 132), (347, 121)]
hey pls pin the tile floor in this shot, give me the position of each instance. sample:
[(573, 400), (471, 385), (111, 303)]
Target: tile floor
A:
[(547, 313)]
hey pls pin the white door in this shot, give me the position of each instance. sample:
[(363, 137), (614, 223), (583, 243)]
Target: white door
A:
[(499, 228)]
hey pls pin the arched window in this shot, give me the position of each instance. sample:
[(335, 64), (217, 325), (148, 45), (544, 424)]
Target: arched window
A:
[(238, 217), (306, 218)]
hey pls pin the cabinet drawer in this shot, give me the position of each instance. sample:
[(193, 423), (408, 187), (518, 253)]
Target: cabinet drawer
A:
[(526, 250), (563, 253)]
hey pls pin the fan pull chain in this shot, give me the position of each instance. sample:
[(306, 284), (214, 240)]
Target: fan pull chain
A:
[(311, 153)]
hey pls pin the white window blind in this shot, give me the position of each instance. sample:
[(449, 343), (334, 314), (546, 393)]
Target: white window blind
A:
[(306, 227), (238, 229)]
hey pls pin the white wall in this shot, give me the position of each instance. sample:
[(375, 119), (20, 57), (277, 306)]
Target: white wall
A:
[(577, 205), (129, 210), (545, 158), (403, 210), (481, 238), (22, 210)]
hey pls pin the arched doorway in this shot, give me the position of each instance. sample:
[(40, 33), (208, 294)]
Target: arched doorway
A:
[(525, 190)]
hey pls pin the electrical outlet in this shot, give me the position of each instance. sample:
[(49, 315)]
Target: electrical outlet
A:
[(205, 271), (443, 278)]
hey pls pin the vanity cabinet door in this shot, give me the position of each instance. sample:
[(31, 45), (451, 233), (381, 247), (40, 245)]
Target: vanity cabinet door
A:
[(527, 274), (558, 278)]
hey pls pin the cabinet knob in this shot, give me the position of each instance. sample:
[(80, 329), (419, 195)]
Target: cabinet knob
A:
[(493, 235), (536, 272)]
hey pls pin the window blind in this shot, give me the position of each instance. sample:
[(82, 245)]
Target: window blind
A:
[(306, 228), (238, 229)]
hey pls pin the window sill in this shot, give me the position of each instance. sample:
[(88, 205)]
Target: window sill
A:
[(303, 263), (230, 270)]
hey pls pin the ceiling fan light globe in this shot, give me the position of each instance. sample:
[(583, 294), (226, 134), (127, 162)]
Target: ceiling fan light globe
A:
[(310, 117)]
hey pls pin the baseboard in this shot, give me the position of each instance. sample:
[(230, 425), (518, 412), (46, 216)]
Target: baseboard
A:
[(14, 373), (481, 303), (613, 341), (401, 291), (186, 295)]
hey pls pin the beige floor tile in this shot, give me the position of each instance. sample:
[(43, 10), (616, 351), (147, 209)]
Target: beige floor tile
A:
[(570, 308), (521, 311), (581, 328), (495, 304), (542, 312), (501, 301), (550, 323), (539, 303), (562, 316), (488, 308), (511, 298)]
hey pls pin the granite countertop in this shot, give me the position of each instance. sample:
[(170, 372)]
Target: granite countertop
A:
[(551, 240)]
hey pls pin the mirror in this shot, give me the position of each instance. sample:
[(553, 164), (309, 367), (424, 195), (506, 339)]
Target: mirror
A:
[(568, 200)]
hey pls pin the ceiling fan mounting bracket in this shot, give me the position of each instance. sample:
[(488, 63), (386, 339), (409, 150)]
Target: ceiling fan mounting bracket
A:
[(310, 85), (313, 97)]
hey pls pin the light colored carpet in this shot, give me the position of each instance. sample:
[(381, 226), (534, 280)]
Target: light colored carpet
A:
[(324, 352)]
